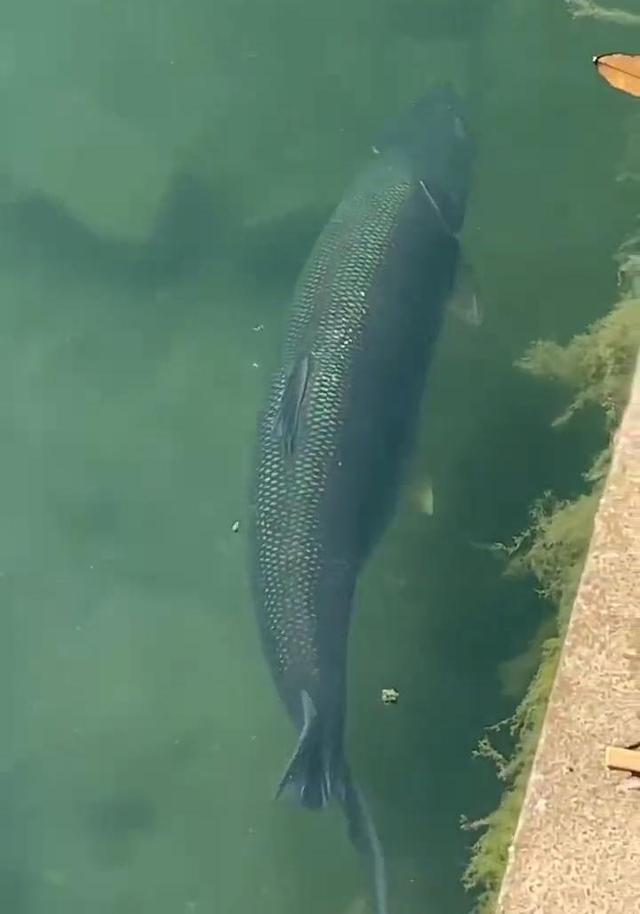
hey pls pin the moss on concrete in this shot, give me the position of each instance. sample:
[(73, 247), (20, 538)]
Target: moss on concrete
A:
[(596, 367)]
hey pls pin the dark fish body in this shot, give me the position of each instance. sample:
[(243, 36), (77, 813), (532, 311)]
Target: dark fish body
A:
[(339, 421)]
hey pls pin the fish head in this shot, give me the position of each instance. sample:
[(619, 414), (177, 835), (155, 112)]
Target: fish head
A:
[(434, 135)]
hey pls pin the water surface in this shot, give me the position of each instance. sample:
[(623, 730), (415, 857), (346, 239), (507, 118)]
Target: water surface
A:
[(165, 168)]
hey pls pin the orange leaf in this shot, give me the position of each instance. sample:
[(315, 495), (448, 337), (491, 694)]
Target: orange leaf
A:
[(622, 71)]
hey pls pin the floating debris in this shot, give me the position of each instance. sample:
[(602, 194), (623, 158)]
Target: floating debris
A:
[(621, 71), (390, 696)]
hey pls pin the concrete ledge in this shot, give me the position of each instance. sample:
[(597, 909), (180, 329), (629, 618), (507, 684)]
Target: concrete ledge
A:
[(577, 846)]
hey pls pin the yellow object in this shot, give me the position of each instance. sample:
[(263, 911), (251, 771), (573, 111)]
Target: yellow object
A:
[(622, 759), (622, 71)]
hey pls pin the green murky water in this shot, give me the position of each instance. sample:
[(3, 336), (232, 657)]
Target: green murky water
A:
[(164, 169)]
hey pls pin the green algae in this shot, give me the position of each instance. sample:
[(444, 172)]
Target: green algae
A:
[(597, 364), (596, 368), (616, 16)]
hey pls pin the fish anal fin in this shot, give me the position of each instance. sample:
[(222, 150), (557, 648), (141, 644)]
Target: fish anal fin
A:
[(425, 498)]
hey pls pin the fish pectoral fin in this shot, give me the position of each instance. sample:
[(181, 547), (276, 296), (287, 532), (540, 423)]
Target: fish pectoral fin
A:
[(293, 399), (308, 778), (464, 302)]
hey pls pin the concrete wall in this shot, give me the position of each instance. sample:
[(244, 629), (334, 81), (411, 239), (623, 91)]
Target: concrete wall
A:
[(577, 846)]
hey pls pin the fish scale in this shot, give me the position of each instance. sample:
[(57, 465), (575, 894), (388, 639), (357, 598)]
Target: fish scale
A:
[(330, 298)]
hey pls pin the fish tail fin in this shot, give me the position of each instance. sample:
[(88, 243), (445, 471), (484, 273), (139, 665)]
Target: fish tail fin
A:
[(315, 774), (308, 778), (364, 837)]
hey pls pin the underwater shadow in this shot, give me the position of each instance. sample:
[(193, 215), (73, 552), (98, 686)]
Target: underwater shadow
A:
[(194, 226)]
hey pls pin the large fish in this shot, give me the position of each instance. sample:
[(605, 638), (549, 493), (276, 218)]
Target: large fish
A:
[(338, 425)]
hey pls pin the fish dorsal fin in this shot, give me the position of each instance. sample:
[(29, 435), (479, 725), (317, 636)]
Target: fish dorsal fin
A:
[(293, 398)]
